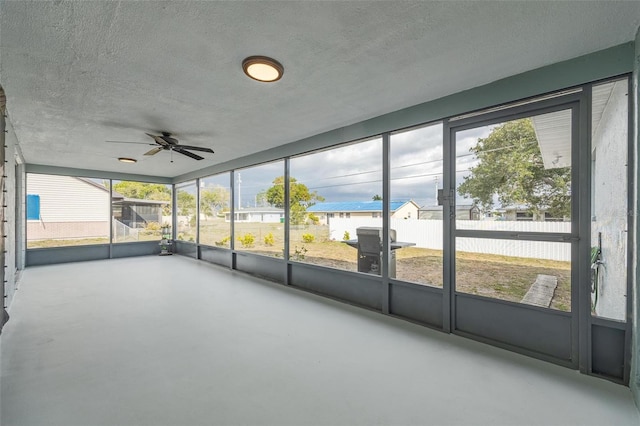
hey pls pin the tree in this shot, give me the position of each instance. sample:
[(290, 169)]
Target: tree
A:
[(213, 200), (141, 190), (511, 167), (186, 203), (300, 198), (146, 191), (261, 199), (376, 198)]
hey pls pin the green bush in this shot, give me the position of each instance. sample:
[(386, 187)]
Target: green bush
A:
[(152, 226), (268, 239), (314, 219), (346, 236), (308, 238), (247, 240), (298, 253), (224, 241)]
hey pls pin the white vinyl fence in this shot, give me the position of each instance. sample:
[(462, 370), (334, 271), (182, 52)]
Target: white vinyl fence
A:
[(428, 234), (122, 232)]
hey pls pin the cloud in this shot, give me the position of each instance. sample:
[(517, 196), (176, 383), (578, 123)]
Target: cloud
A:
[(353, 172)]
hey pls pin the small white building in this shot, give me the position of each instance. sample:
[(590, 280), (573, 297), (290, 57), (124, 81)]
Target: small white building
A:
[(406, 209), (257, 214)]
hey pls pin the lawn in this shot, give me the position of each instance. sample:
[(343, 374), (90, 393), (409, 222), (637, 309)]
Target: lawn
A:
[(501, 277), (67, 243)]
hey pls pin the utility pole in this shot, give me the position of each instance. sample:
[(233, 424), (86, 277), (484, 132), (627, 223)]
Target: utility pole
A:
[(437, 187), (239, 194)]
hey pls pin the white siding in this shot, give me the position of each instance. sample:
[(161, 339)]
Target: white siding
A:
[(406, 211), (68, 199), (610, 203)]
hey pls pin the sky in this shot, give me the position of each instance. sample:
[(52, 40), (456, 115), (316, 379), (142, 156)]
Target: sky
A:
[(353, 172)]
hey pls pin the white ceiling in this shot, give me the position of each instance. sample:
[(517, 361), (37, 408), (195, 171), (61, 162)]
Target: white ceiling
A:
[(79, 73)]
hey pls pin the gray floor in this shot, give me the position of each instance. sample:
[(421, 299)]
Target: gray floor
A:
[(174, 341)]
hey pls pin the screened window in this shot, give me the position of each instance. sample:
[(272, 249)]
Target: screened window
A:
[(186, 211), (259, 214), (140, 210), (66, 211), (333, 194), (215, 207), (416, 218)]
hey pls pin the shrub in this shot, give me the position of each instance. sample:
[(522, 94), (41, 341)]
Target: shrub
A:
[(224, 241), (346, 236), (153, 226), (314, 219), (247, 240), (298, 253), (268, 239), (308, 238)]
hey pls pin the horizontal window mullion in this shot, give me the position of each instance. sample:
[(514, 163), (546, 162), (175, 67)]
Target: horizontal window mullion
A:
[(514, 235)]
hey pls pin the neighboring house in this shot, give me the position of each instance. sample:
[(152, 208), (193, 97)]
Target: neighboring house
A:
[(363, 209), (137, 213), (257, 214), (521, 213), (463, 212), (71, 207), (66, 206)]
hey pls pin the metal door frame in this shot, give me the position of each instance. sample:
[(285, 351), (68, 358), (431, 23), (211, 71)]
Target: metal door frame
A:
[(580, 226)]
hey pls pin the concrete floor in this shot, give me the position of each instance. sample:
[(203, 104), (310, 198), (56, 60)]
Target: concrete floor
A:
[(174, 341)]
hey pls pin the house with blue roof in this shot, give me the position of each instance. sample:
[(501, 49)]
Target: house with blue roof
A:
[(406, 209)]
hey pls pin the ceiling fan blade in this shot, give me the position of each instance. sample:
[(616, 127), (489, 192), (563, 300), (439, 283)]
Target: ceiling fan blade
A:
[(169, 139), (196, 148), (158, 139), (187, 153), (154, 151), (137, 143)]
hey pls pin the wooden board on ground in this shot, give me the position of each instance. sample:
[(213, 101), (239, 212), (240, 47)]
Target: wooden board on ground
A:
[(541, 291)]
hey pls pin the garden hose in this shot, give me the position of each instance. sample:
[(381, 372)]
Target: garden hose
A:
[(596, 263)]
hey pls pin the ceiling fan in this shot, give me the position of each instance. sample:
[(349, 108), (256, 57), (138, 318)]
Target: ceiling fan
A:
[(166, 142)]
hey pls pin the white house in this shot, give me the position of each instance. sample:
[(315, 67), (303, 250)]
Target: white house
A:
[(69, 207), (73, 208), (406, 209), (257, 214)]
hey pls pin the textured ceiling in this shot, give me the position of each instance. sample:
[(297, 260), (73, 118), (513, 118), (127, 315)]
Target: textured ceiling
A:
[(79, 73)]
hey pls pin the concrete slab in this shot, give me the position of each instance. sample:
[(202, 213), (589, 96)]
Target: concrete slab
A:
[(176, 341)]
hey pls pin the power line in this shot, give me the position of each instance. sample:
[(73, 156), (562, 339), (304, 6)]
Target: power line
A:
[(394, 168), (380, 180), (415, 164)]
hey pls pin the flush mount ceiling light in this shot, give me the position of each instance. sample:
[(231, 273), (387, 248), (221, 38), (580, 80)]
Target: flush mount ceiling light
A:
[(127, 160), (262, 68)]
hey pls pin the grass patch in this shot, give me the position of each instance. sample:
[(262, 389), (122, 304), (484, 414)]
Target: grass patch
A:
[(67, 243), (496, 276)]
